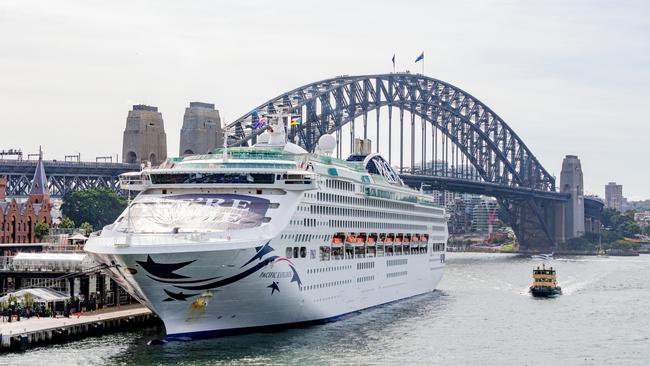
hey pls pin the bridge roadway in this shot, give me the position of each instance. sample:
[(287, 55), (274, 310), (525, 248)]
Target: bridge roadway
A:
[(452, 184), (63, 176)]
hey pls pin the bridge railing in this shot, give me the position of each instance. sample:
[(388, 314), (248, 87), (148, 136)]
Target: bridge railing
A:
[(68, 164), (7, 264)]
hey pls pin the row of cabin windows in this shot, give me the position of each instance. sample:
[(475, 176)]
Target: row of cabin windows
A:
[(305, 237), (397, 262), (374, 225), (355, 212), (372, 202), (329, 269), (365, 279), (296, 252), (327, 253), (396, 274), (340, 184), (366, 265), (325, 285)]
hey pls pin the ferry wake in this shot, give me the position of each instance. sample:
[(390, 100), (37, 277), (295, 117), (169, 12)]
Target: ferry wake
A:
[(271, 235)]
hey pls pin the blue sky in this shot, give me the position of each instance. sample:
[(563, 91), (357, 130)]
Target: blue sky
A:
[(570, 77)]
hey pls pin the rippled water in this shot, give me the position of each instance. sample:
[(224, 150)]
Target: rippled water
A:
[(481, 315)]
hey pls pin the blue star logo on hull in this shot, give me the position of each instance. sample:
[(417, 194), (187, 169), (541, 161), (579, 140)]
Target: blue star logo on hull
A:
[(274, 287)]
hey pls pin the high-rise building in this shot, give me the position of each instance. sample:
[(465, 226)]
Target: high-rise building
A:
[(201, 132), (614, 196), (144, 136), (482, 213)]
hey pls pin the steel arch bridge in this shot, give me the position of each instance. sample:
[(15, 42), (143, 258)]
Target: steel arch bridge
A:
[(467, 143)]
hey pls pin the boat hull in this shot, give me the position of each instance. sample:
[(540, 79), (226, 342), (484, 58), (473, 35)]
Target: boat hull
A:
[(233, 290), (545, 291)]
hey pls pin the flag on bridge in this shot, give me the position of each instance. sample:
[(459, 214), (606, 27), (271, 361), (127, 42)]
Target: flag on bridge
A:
[(421, 57), (296, 120), (258, 121), (261, 122), (393, 62)]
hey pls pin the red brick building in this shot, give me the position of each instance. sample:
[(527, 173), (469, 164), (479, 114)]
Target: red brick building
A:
[(18, 219)]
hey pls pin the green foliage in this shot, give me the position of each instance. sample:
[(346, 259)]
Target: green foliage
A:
[(41, 229), (623, 225), (624, 245), (86, 227), (579, 244), (97, 206), (28, 300), (66, 223)]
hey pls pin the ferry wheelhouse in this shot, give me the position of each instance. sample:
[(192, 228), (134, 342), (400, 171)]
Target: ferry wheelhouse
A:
[(271, 235)]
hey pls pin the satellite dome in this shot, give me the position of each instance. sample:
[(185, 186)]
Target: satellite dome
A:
[(327, 144)]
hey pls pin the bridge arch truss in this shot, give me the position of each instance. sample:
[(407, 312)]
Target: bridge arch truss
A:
[(466, 131)]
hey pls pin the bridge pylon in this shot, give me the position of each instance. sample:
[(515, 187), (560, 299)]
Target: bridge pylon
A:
[(574, 209)]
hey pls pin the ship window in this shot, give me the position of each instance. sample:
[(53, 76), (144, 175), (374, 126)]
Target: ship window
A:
[(212, 178), (303, 252), (295, 252)]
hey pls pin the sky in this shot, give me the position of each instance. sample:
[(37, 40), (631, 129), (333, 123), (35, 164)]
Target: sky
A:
[(569, 77)]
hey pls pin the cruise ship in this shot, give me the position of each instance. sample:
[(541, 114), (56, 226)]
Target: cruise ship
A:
[(271, 236)]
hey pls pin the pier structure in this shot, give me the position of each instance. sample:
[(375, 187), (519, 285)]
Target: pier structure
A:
[(65, 268), (27, 333)]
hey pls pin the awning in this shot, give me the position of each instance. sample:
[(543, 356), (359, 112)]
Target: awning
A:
[(40, 294), (78, 236), (49, 257)]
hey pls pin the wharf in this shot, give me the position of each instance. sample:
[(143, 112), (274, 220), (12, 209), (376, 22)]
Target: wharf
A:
[(20, 335)]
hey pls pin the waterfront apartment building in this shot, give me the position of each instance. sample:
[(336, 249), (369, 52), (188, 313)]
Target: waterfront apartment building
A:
[(614, 196)]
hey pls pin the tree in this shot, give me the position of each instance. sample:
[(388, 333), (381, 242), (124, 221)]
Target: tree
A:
[(66, 223), (41, 229), (97, 206), (611, 218), (624, 245), (630, 229), (86, 227)]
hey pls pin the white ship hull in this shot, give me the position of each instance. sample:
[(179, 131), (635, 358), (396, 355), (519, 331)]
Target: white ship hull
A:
[(218, 293)]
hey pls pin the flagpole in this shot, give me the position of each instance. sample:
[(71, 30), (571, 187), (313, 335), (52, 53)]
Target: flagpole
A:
[(423, 65)]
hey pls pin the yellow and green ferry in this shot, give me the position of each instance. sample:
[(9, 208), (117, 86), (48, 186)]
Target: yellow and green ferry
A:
[(545, 282)]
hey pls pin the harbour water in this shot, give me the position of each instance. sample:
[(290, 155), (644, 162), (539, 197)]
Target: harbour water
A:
[(481, 315)]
